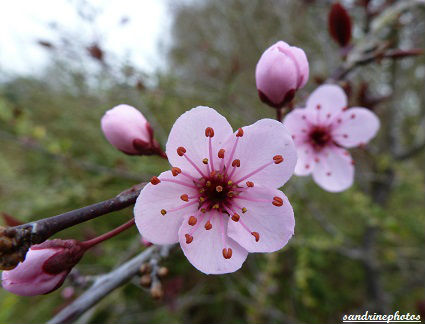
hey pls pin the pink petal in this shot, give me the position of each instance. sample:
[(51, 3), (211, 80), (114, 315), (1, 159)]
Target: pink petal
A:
[(257, 147), (205, 252), (358, 126), (335, 170), (306, 160), (299, 122), (302, 61), (330, 99), (275, 225), (189, 132), (152, 225)]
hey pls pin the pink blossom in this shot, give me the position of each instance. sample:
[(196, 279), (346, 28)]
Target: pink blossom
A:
[(44, 269), (281, 70), (127, 129), (323, 130), (220, 199)]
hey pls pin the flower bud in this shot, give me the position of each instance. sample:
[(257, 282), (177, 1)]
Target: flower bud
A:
[(128, 130), (280, 72), (44, 269)]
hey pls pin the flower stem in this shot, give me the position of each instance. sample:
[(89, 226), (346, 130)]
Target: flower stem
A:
[(279, 114), (90, 243)]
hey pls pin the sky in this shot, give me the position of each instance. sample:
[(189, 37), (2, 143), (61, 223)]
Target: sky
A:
[(23, 22)]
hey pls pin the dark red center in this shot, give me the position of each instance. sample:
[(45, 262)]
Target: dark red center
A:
[(320, 137)]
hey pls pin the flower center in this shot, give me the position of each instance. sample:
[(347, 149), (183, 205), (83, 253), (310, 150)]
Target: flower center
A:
[(320, 137)]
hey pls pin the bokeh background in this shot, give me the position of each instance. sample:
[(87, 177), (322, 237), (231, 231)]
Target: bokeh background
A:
[(64, 63)]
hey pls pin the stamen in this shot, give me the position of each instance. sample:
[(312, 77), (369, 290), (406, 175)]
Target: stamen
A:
[(184, 197), (205, 161), (236, 163), (277, 201), (181, 150), (229, 183), (221, 153), (193, 164), (256, 235), (244, 210), (239, 133), (250, 184), (192, 220), (201, 199), (254, 172), (180, 207), (176, 171), (208, 184), (210, 151), (278, 159), (180, 183), (163, 212), (189, 238), (155, 180), (216, 206), (208, 225), (235, 217), (235, 144), (219, 188), (209, 132), (227, 253)]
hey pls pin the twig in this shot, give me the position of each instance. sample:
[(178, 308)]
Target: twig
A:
[(102, 287)]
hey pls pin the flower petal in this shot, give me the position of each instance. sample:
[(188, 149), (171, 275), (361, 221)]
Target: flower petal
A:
[(205, 252), (299, 122), (357, 126), (331, 99), (257, 147), (275, 225), (335, 171), (152, 225), (306, 160), (189, 132)]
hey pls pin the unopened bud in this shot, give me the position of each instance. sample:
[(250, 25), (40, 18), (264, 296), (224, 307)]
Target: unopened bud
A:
[(163, 272), (146, 280), (156, 290)]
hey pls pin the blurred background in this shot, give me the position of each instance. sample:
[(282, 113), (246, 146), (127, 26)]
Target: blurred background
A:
[(63, 63)]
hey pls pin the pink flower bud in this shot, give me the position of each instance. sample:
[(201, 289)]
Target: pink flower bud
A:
[(44, 269), (128, 130), (280, 72)]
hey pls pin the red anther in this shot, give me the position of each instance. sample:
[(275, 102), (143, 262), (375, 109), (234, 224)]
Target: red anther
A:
[(256, 235), (219, 188), (250, 184), (192, 220), (345, 108), (212, 174), (353, 116), (307, 166), (205, 161), (293, 137), (181, 150), (184, 197), (227, 253), (201, 199), (317, 160), (277, 201), (352, 162), (209, 132), (244, 210), (208, 225), (236, 163), (328, 174), (318, 107), (278, 159), (176, 171), (303, 116), (163, 211), (345, 135), (328, 115), (235, 217), (189, 238), (221, 153), (155, 180), (239, 133), (208, 183), (339, 120)]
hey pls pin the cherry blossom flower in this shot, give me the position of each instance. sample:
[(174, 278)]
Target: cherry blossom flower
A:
[(280, 72), (323, 130), (220, 198)]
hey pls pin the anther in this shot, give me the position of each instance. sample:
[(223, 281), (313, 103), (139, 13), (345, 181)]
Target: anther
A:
[(181, 150), (239, 133), (353, 116), (212, 174), (277, 201), (278, 159), (229, 183), (202, 191), (205, 161), (203, 210), (208, 183), (208, 225), (230, 194), (163, 211), (256, 235), (192, 220), (209, 132), (318, 107), (221, 153), (235, 217), (236, 163), (189, 238), (184, 197), (227, 253), (216, 206), (155, 180), (244, 210), (201, 199), (250, 184), (345, 135), (176, 171), (219, 188)]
